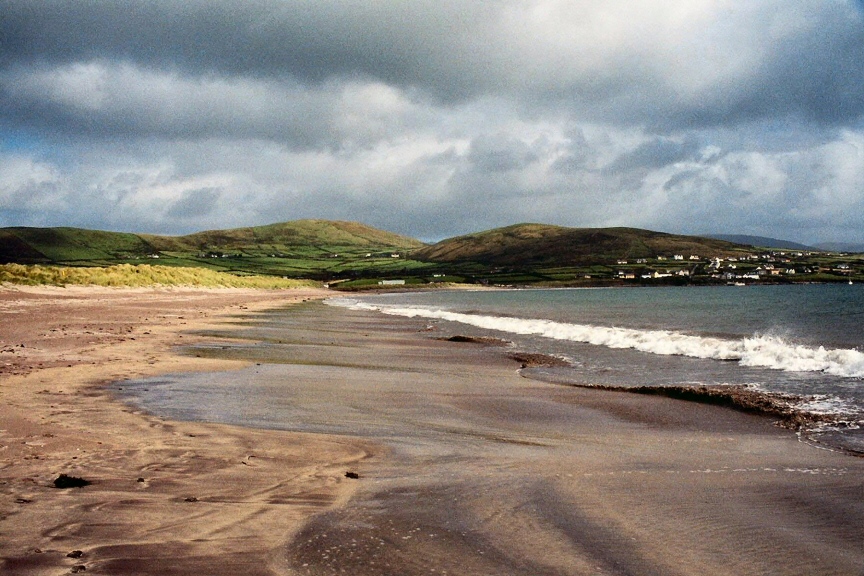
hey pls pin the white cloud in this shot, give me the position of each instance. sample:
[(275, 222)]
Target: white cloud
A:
[(122, 100), (436, 118), (28, 186)]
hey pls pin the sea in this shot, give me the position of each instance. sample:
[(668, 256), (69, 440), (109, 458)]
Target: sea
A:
[(801, 343), (493, 474)]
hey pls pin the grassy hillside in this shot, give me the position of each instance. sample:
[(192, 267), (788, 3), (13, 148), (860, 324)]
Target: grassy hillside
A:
[(46, 245), (70, 244), (355, 256), (317, 249), (327, 234), (531, 245)]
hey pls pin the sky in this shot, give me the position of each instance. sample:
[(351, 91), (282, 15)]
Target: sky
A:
[(435, 118)]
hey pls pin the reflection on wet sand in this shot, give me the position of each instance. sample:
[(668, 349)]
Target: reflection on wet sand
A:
[(474, 469)]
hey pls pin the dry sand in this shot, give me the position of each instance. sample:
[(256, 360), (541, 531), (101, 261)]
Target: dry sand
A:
[(465, 467), (166, 498)]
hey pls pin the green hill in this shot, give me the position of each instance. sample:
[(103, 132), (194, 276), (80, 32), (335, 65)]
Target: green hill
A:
[(70, 245), (355, 256), (313, 249), (49, 245), (532, 245), (298, 233)]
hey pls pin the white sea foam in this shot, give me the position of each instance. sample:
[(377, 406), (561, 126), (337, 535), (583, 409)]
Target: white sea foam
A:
[(757, 351)]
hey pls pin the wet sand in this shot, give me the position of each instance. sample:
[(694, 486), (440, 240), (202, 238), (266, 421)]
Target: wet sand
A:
[(464, 466), (474, 469)]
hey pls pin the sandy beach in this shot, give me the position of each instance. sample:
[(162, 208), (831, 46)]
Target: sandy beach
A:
[(465, 466), (165, 498)]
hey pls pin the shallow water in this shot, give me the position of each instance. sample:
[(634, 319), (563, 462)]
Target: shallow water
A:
[(801, 340), (475, 470)]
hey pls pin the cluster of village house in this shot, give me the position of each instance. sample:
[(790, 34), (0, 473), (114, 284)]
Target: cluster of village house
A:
[(727, 268), (753, 267)]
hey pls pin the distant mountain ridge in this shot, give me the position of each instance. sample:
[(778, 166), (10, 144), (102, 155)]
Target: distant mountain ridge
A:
[(763, 242), (760, 241), (840, 247)]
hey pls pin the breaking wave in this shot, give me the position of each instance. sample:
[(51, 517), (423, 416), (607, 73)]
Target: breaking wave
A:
[(763, 351)]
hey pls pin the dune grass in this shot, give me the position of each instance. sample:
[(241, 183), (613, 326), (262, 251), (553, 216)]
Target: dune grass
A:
[(127, 275)]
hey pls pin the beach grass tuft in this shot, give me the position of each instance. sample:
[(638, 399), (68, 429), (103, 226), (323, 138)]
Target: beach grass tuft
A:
[(143, 275)]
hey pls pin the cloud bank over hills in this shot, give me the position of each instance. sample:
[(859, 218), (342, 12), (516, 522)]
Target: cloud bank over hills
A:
[(435, 118)]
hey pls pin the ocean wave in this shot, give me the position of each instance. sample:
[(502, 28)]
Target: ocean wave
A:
[(765, 351)]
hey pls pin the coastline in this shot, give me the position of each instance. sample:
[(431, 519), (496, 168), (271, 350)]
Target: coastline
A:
[(772, 363), (506, 474), (166, 497), (482, 471)]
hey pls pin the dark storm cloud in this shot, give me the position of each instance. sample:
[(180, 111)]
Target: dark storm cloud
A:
[(118, 100), (655, 153), (812, 71), (195, 203), (434, 118), (500, 153), (404, 43), (607, 61)]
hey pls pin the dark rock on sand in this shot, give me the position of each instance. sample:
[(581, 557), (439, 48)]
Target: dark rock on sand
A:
[(64, 481), (477, 340), (352, 475), (532, 360)]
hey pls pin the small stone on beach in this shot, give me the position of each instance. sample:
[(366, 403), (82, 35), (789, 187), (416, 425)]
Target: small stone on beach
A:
[(65, 481)]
